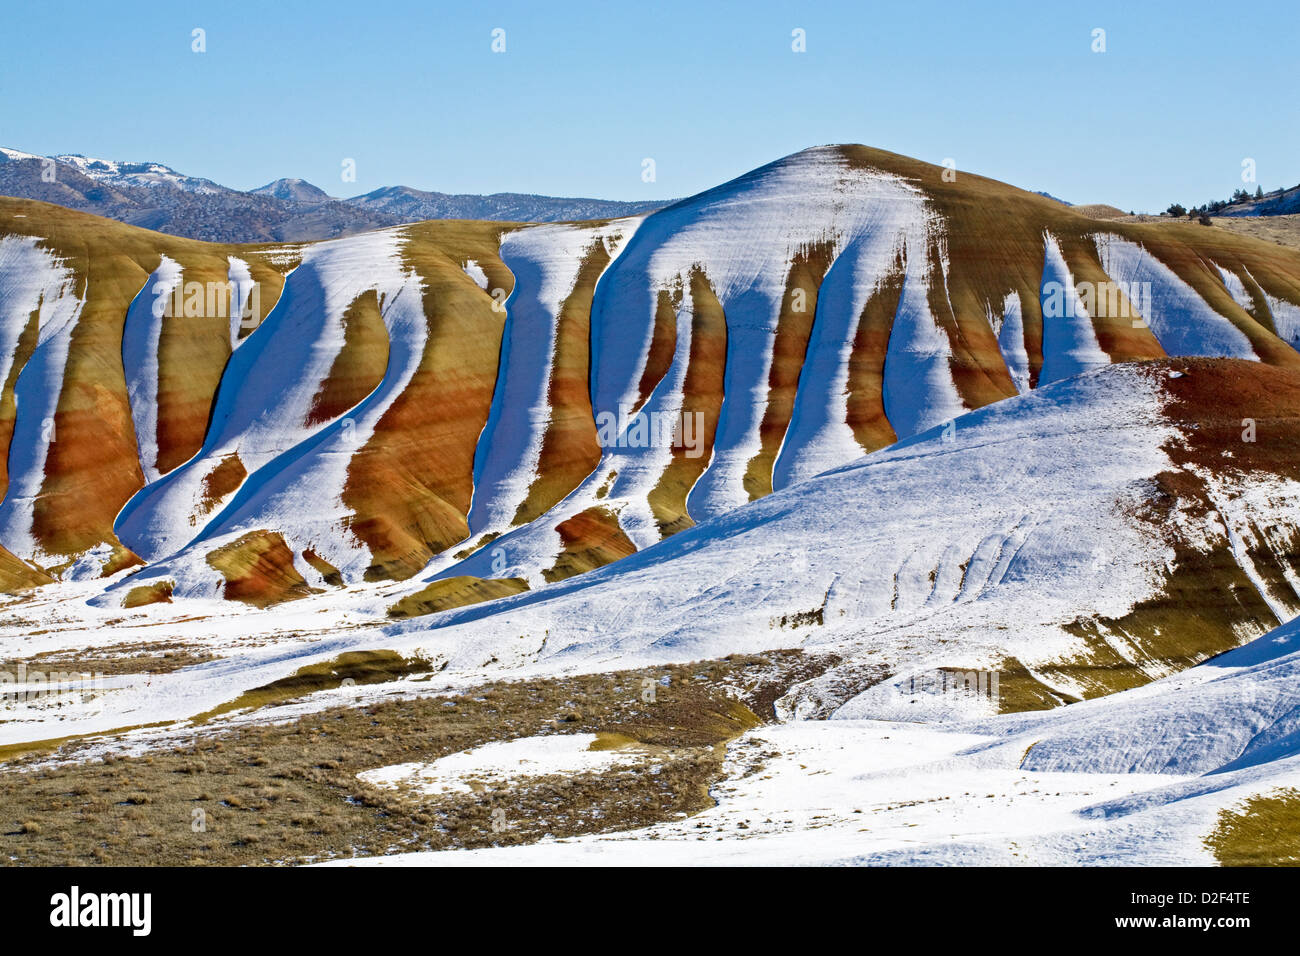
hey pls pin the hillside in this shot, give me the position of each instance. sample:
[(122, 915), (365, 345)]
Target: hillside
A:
[(367, 421), (800, 454)]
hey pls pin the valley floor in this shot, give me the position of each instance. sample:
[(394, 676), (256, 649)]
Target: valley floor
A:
[(376, 761), (890, 794)]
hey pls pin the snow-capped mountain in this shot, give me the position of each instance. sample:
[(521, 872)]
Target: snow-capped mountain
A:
[(293, 190), (158, 197), (127, 175)]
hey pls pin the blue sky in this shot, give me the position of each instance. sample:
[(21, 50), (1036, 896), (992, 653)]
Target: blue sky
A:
[(585, 91)]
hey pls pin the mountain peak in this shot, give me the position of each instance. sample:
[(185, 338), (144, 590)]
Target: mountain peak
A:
[(293, 190)]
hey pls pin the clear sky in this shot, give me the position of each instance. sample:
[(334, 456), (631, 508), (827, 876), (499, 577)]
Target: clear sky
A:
[(413, 92)]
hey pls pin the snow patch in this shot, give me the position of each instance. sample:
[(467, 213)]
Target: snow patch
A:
[(502, 764)]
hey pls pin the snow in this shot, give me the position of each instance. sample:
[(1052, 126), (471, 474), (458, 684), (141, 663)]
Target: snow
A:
[(1181, 320), (545, 261), (475, 272), (503, 764), (296, 471), (1010, 330), (140, 337), (1236, 288), (242, 289), (919, 391), (1069, 339), (32, 280), (1286, 319)]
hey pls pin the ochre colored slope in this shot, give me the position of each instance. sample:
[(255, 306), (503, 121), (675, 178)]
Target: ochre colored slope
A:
[(258, 568), (93, 467), (663, 342), (978, 370), (590, 539), (359, 366), (222, 480), (703, 394), (447, 593), (409, 486), (865, 407), (793, 328), (570, 449), (17, 575)]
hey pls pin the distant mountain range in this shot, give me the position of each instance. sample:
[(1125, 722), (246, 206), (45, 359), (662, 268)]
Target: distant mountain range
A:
[(158, 197)]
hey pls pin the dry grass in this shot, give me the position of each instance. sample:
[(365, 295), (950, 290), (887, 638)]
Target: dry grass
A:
[(1283, 230), (152, 657), (289, 793), (1265, 831)]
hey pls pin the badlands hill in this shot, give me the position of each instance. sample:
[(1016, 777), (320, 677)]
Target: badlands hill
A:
[(475, 410), (807, 445)]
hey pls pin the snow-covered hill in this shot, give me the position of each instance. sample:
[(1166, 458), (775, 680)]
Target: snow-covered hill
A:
[(1011, 491), (527, 403), (840, 402)]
